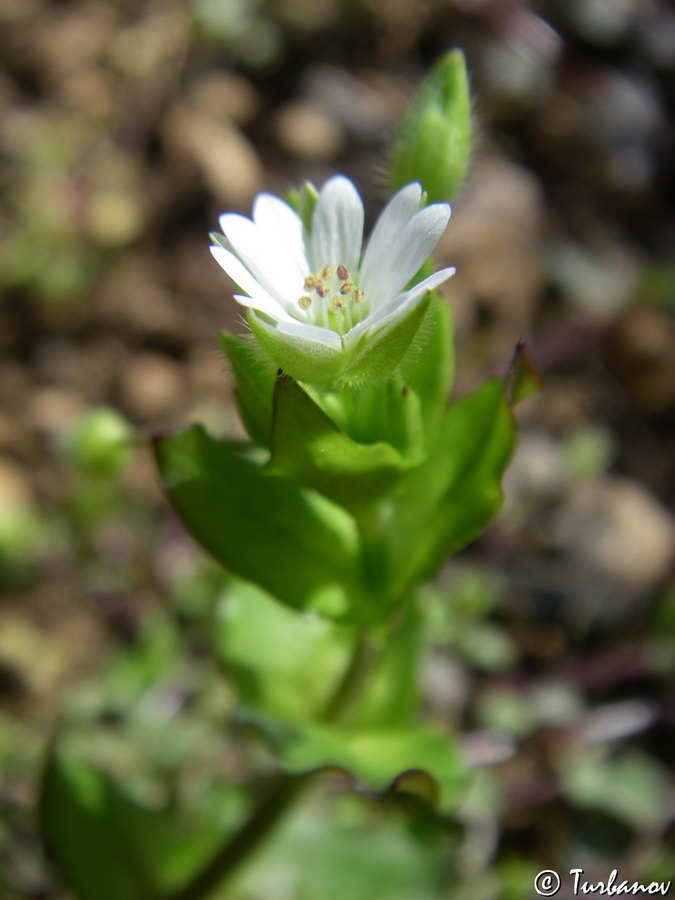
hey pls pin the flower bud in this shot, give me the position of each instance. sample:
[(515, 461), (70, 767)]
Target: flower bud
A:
[(433, 142)]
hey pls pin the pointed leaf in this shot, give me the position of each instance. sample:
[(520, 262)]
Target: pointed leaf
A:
[(308, 447), (387, 411), (254, 382), (291, 542), (455, 493)]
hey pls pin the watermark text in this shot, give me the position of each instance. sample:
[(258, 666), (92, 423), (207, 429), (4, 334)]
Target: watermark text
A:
[(548, 883)]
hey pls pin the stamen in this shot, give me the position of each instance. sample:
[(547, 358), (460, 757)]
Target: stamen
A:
[(334, 285)]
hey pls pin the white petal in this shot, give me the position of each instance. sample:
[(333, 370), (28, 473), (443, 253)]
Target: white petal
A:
[(280, 225), (259, 252), (397, 307), (258, 298), (271, 309), (337, 226), (312, 334), (393, 219), (407, 253)]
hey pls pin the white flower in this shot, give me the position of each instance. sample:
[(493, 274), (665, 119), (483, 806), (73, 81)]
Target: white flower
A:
[(316, 303)]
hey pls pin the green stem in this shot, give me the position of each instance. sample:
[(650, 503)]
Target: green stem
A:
[(284, 790), (341, 705), (281, 795)]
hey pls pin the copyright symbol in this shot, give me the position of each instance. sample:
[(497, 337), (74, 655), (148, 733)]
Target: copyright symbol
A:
[(547, 883)]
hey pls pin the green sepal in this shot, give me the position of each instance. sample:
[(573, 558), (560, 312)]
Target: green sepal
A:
[(309, 447), (382, 351), (451, 498), (374, 357), (302, 359), (254, 382), (434, 140), (291, 542)]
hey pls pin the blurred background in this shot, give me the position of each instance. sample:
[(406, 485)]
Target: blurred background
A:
[(126, 127)]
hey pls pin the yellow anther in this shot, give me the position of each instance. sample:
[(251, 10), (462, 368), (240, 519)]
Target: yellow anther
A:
[(343, 272), (326, 272), (357, 296), (321, 289), (305, 302), (347, 287), (311, 282), (336, 303)]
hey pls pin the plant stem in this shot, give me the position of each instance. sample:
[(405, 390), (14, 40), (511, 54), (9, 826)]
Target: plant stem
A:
[(284, 790), (362, 661), (236, 851)]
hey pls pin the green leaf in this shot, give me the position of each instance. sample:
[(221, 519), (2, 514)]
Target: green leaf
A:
[(391, 697), (387, 411), (450, 499), (291, 542), (415, 759), (285, 664), (428, 366), (254, 382), (308, 447), (108, 846), (349, 851)]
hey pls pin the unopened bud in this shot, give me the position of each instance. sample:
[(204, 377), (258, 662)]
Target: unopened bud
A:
[(433, 142)]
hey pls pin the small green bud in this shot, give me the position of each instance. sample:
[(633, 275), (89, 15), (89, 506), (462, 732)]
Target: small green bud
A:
[(98, 443), (434, 140), (303, 202)]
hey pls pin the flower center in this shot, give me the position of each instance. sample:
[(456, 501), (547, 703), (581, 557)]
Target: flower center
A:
[(332, 299)]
